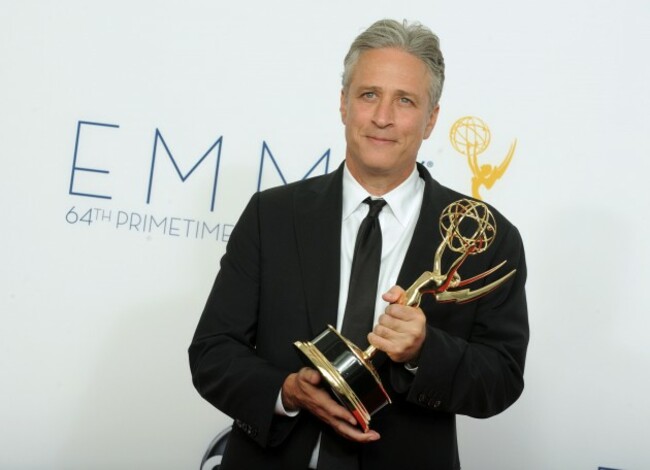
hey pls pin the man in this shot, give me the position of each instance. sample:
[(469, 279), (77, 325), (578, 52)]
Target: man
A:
[(286, 275)]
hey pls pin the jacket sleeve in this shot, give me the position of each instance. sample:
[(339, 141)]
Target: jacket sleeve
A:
[(477, 370), (225, 368)]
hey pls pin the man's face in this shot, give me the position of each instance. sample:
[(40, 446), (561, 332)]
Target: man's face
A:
[(386, 115)]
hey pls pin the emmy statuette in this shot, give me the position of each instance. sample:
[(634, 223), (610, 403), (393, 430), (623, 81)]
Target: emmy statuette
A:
[(467, 228)]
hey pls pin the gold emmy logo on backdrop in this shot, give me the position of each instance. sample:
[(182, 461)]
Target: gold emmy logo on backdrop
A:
[(470, 136)]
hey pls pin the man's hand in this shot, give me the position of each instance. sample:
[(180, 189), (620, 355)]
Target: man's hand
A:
[(400, 331), (301, 391)]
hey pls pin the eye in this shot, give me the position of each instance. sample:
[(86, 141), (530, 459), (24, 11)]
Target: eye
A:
[(405, 100), (369, 95)]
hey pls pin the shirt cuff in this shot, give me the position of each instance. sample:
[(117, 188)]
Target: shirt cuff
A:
[(279, 407)]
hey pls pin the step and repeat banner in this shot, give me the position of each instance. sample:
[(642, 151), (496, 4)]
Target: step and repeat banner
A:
[(132, 134)]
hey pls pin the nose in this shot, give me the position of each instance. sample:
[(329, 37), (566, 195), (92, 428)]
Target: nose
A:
[(383, 115)]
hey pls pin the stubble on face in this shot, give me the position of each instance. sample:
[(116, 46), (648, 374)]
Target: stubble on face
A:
[(385, 109)]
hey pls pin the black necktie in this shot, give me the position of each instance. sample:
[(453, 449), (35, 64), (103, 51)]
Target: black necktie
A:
[(336, 452), (364, 276)]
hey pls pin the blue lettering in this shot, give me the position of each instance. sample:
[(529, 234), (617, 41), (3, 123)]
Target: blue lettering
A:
[(266, 150), (154, 222), (122, 218), (76, 168), (172, 227), (178, 170)]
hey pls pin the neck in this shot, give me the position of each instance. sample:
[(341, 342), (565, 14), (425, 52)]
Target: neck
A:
[(379, 183)]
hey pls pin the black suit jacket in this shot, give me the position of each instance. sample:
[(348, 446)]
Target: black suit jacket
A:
[(279, 283)]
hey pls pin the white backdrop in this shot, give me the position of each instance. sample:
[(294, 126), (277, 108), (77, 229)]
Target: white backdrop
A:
[(99, 301)]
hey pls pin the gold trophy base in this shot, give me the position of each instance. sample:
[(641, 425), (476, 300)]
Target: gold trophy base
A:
[(352, 378)]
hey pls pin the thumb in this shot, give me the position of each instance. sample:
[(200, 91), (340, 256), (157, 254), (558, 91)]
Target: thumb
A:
[(310, 375), (395, 295)]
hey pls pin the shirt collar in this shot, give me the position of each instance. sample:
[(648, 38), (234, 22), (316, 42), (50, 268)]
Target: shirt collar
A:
[(399, 200)]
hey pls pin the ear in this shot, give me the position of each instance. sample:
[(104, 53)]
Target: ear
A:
[(343, 107), (431, 123)]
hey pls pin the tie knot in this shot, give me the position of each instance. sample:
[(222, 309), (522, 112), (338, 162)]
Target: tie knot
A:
[(375, 206)]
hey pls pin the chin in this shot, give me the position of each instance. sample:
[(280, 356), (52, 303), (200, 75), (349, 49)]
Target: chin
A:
[(384, 164)]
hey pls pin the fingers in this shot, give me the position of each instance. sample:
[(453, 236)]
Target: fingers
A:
[(401, 330), (396, 313), (353, 433), (399, 346), (298, 387), (301, 391)]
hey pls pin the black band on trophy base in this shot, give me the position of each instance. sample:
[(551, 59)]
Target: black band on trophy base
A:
[(349, 373)]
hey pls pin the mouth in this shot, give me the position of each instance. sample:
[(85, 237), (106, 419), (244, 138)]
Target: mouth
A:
[(380, 140)]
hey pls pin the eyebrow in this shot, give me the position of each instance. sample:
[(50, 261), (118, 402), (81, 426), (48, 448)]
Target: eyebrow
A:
[(380, 89)]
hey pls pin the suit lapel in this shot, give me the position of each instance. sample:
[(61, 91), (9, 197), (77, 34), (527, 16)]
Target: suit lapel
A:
[(318, 207)]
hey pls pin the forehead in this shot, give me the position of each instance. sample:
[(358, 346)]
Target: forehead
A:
[(391, 68)]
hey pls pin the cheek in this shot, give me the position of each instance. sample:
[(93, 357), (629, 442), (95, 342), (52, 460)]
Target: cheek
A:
[(354, 125), (422, 129), (428, 128)]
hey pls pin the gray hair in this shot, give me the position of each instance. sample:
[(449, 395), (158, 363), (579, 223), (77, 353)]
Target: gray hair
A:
[(413, 38)]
